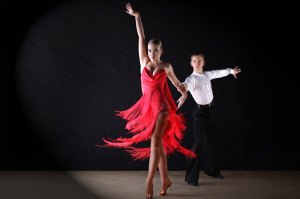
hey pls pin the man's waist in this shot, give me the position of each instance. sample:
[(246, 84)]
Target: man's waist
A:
[(205, 105)]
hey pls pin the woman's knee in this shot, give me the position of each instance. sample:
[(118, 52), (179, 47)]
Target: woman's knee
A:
[(164, 116), (156, 142)]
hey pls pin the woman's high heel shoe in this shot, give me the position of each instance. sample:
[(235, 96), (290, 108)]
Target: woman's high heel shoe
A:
[(149, 193), (165, 187)]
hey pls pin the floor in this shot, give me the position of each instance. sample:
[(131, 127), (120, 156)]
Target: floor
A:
[(131, 184)]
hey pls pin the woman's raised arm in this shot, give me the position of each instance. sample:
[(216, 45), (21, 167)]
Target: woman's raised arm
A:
[(140, 31)]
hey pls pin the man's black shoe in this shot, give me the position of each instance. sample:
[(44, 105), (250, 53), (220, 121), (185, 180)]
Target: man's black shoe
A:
[(218, 176), (193, 183)]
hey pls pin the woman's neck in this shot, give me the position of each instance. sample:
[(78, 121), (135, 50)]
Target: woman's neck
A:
[(156, 61)]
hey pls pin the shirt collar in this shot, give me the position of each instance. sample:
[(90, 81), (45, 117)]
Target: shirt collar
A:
[(197, 73)]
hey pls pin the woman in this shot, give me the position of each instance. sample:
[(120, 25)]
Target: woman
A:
[(154, 115)]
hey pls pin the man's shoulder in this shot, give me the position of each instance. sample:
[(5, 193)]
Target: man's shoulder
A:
[(207, 71), (191, 76)]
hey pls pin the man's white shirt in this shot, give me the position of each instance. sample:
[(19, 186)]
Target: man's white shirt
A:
[(199, 84)]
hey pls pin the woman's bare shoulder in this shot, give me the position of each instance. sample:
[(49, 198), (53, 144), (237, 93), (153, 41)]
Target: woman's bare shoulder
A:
[(167, 65)]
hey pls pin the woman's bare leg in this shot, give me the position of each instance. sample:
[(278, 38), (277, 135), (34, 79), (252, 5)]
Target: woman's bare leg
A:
[(163, 168), (156, 145)]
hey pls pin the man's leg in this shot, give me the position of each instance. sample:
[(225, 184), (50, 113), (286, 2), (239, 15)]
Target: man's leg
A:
[(192, 173), (210, 168)]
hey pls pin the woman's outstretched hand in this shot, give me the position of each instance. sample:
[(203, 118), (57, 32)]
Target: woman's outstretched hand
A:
[(130, 10)]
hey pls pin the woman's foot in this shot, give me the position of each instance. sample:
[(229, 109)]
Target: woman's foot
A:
[(164, 188), (149, 191)]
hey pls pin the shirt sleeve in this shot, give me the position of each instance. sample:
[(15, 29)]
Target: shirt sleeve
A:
[(190, 82), (213, 74)]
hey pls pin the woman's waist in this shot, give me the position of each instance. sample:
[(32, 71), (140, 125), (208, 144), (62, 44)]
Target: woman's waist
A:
[(153, 86), (155, 90)]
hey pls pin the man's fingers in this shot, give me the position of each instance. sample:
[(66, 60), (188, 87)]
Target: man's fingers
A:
[(238, 71)]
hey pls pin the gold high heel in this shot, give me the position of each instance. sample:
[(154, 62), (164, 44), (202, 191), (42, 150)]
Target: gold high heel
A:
[(149, 195), (165, 187)]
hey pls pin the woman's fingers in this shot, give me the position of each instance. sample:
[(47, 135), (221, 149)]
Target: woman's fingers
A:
[(179, 105), (129, 6), (180, 100)]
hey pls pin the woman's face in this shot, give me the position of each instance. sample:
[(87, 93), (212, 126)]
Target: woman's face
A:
[(154, 52)]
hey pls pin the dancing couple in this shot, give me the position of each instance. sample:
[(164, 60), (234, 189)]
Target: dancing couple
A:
[(154, 115)]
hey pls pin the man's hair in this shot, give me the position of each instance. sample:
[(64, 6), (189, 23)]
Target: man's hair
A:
[(197, 54), (156, 42)]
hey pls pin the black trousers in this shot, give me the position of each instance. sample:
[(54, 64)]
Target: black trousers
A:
[(203, 145)]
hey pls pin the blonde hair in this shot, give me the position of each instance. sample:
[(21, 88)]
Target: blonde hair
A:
[(197, 54), (156, 42)]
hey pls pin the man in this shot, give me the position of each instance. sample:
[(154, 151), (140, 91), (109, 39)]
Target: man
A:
[(199, 85)]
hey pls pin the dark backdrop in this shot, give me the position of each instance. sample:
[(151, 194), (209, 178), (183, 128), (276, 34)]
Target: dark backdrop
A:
[(71, 64)]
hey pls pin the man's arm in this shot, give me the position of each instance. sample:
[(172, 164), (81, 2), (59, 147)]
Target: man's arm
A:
[(213, 74)]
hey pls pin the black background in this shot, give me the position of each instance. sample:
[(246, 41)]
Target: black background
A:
[(71, 64)]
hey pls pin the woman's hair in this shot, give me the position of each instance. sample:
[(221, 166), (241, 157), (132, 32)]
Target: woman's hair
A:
[(156, 42), (197, 54)]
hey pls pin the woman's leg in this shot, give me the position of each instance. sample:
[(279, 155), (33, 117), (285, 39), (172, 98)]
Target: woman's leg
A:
[(156, 145), (163, 168)]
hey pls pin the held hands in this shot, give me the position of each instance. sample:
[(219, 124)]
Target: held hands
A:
[(236, 71), (130, 10), (182, 89)]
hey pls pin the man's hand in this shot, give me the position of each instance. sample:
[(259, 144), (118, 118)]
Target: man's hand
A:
[(236, 71)]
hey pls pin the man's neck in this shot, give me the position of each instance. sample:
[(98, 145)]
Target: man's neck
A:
[(199, 71)]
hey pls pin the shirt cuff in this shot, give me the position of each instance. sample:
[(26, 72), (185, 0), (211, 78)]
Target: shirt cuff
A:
[(231, 71)]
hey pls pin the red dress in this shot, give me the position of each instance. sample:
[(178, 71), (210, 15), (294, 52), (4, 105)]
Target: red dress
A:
[(142, 116)]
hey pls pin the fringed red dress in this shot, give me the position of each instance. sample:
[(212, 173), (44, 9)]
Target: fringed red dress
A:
[(142, 117)]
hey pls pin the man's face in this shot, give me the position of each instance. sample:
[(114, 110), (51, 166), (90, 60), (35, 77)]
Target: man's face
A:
[(197, 62)]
